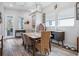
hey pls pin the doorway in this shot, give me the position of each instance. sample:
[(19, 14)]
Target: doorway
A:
[(9, 27)]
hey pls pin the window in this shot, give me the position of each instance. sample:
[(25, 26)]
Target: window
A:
[(50, 23), (66, 22)]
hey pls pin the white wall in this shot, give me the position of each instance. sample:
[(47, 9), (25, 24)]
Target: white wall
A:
[(16, 14), (67, 10), (27, 27), (71, 33)]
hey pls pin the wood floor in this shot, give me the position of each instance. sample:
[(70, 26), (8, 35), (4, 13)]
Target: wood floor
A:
[(13, 47)]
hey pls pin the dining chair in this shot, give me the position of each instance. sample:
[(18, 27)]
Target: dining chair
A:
[(43, 44), (29, 43), (1, 45), (40, 28), (26, 42)]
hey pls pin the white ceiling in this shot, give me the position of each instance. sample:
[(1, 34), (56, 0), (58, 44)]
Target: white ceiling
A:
[(29, 6)]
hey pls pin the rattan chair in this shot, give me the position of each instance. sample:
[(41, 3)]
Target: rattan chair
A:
[(43, 44)]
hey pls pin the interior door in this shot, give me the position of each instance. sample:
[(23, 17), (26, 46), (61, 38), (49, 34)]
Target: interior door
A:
[(9, 27)]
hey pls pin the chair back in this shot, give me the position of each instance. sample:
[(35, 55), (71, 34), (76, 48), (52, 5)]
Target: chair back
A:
[(40, 28), (45, 38), (26, 39)]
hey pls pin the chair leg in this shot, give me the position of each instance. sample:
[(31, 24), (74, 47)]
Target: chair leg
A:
[(1, 51), (50, 46), (25, 46), (28, 48), (62, 43), (46, 51), (58, 43), (23, 43)]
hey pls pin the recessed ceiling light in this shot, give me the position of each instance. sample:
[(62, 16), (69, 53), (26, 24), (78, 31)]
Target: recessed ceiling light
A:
[(11, 5)]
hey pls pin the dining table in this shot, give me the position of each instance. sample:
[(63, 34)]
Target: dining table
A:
[(34, 37)]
